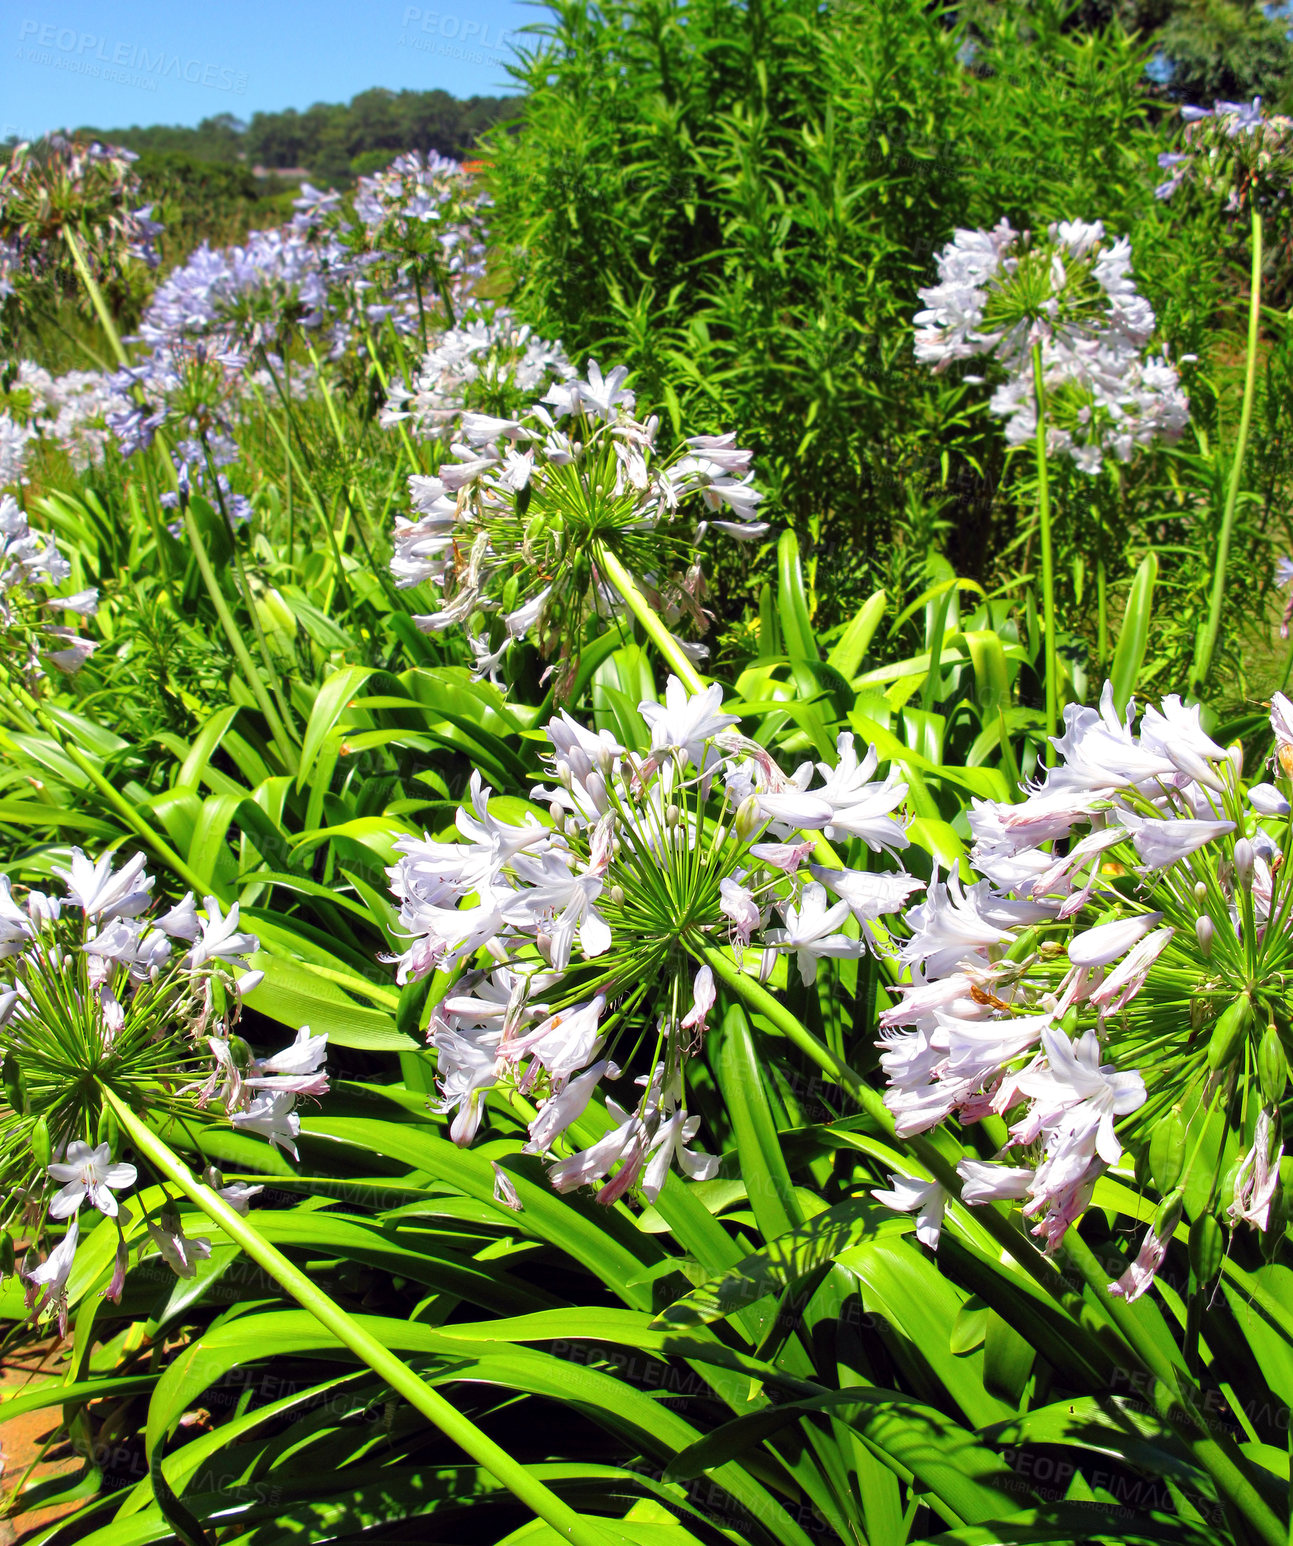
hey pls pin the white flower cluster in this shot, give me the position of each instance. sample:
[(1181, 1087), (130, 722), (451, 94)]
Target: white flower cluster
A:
[(14, 441), (597, 922), (508, 525), (1049, 992), (97, 985), (31, 570), (489, 363), (1001, 295), (72, 411)]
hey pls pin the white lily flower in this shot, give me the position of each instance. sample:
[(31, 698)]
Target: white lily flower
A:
[(926, 1199), (1107, 941), (811, 932), (90, 1175)]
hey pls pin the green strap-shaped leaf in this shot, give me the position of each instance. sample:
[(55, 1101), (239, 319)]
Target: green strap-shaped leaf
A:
[(792, 603), (1132, 641), (785, 1261)]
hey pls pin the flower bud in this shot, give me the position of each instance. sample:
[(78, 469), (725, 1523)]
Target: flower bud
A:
[(1244, 860), (1236, 756), (617, 896), (672, 816), (747, 818), (558, 815), (1205, 931), (1200, 892)]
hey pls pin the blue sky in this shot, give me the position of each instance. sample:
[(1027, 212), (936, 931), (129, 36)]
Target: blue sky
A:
[(69, 62)]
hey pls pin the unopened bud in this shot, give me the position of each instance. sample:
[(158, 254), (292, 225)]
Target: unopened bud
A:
[(1244, 860), (543, 944), (558, 815), (746, 821), (672, 816), (1205, 931), (1200, 892), (617, 895), (595, 785)]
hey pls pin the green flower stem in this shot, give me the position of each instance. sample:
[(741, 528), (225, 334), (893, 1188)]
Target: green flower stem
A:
[(1048, 557), (1208, 643), (516, 1477), (149, 516), (652, 624), (403, 427), (1214, 1452), (230, 627), (96, 297), (128, 813), (262, 644)]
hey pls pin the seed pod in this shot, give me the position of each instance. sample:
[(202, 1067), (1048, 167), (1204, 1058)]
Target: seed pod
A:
[(40, 1144), (6, 1254), (1167, 1152), (15, 1086), (1272, 1065), (1229, 1032), (1207, 1247), (1169, 1214)]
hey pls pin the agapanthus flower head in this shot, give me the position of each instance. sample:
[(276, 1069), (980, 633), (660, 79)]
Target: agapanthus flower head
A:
[(579, 941), (105, 987), (70, 412), (509, 530), (58, 187), (254, 296), (1121, 963), (1071, 295), (1237, 151), (487, 364)]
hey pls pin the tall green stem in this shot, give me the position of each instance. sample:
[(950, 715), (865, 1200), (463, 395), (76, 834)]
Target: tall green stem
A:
[(652, 624), (350, 1333), (96, 297), (1048, 556), (245, 662), (1208, 642)]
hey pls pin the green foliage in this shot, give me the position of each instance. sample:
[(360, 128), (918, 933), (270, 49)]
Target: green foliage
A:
[(326, 138)]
